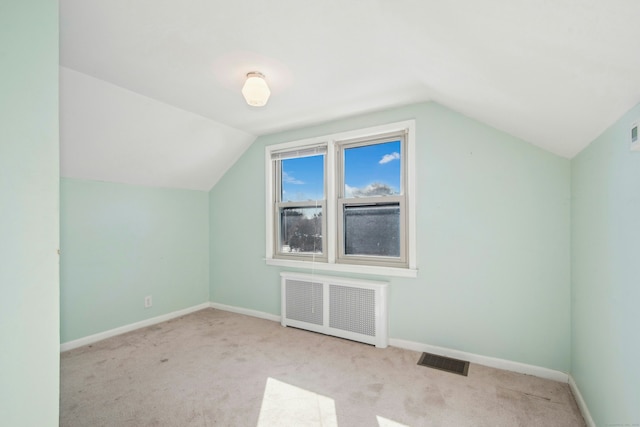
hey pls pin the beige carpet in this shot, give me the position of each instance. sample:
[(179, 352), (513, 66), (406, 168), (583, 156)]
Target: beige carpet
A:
[(215, 368)]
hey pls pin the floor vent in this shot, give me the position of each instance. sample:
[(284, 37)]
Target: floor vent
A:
[(448, 364)]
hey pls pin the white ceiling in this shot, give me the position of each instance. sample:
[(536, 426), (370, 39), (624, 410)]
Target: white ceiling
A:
[(555, 73)]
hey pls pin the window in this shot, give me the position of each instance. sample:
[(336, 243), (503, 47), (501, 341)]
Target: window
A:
[(299, 203), (371, 201), (343, 202)]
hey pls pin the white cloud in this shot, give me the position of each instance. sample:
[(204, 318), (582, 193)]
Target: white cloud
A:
[(371, 190), (348, 191), (389, 157), (290, 179)]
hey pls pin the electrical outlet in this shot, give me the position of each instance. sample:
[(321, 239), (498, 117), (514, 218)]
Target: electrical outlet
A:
[(634, 137), (148, 302)]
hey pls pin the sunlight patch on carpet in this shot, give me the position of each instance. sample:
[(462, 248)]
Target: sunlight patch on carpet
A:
[(287, 405), (384, 422)]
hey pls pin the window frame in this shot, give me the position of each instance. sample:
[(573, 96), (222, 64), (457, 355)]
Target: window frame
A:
[(343, 201), (331, 259)]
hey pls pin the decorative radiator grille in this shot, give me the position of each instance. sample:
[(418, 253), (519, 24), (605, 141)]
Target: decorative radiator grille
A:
[(304, 301), (352, 309), (347, 308)]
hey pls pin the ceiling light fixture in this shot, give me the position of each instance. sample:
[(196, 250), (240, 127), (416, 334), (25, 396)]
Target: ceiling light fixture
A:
[(255, 89)]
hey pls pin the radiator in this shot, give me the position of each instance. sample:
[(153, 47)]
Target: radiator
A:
[(346, 308)]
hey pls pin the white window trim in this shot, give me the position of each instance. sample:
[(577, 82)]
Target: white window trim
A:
[(331, 202)]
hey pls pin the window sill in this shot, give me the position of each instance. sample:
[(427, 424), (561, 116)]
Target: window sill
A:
[(345, 268)]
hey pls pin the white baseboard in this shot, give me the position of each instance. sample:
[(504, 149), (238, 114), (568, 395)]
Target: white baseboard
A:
[(69, 345), (246, 311), (492, 362), (409, 345), (582, 405)]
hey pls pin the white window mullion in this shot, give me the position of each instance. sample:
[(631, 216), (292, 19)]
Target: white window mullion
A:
[(330, 189)]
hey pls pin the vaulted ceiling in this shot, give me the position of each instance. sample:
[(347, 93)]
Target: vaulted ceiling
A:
[(150, 90)]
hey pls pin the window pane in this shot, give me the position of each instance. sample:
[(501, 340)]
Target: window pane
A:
[(372, 170), (301, 230), (372, 230), (302, 179)]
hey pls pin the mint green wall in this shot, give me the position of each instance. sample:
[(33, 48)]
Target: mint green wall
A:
[(29, 307), (120, 243), (605, 179), (493, 239)]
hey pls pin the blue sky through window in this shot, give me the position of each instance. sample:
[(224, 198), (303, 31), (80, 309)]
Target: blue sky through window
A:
[(372, 170), (302, 178)]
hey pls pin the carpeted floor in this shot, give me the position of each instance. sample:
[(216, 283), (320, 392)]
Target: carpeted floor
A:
[(215, 368)]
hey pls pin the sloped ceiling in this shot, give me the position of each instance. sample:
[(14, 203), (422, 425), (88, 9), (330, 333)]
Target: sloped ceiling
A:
[(108, 133), (554, 73)]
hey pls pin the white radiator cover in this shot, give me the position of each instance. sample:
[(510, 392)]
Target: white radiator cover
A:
[(346, 308)]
